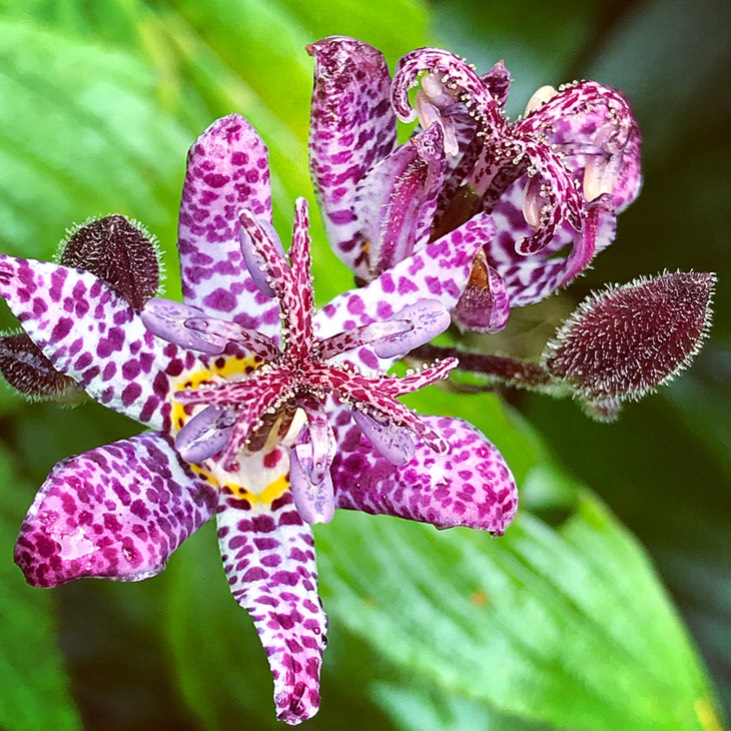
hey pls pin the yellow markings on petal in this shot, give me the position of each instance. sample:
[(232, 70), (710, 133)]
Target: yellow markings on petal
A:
[(207, 476), (267, 496), (220, 368)]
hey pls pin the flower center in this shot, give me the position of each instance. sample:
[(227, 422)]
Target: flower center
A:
[(249, 407)]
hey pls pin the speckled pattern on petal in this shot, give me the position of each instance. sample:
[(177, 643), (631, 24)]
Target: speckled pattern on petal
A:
[(116, 512), (529, 279), (269, 558), (470, 486), (352, 127), (396, 200), (227, 170), (89, 333), (439, 272)]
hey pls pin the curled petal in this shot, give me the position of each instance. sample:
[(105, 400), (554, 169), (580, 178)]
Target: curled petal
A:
[(470, 485), (593, 125), (116, 512), (269, 558), (529, 279), (352, 128), (556, 192), (454, 74)]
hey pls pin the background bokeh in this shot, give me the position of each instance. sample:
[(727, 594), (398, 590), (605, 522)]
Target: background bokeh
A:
[(607, 605)]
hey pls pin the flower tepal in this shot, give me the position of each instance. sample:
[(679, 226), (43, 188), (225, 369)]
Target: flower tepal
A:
[(552, 181), (266, 428)]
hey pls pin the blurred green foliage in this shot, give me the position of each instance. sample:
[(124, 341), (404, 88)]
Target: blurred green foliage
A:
[(561, 624)]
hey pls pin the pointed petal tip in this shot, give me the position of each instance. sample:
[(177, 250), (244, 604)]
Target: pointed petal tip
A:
[(297, 705)]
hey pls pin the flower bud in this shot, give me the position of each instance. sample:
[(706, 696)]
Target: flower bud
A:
[(625, 341)]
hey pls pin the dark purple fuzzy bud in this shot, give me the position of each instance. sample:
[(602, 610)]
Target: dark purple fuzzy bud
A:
[(114, 250), (118, 252), (29, 371), (625, 341)]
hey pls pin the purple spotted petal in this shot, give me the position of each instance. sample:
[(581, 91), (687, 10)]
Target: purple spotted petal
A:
[(269, 558), (395, 202), (352, 127), (227, 171), (116, 512), (529, 279), (470, 486), (91, 334), (438, 272)]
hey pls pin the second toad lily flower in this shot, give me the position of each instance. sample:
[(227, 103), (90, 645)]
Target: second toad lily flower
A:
[(552, 181), (251, 421)]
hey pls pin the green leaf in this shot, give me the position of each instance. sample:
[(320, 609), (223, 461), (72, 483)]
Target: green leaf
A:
[(35, 692), (564, 626), (428, 709)]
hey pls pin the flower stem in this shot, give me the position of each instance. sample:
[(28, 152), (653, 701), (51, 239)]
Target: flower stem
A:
[(498, 369)]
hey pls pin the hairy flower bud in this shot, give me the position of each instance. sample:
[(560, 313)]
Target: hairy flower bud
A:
[(625, 341), (119, 252), (115, 250)]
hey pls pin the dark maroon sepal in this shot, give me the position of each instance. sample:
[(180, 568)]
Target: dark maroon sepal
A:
[(27, 370), (118, 252)]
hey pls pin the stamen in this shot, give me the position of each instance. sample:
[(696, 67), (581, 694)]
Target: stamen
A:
[(206, 434), (262, 252), (426, 318), (217, 330), (322, 442), (397, 444), (314, 502), (167, 320), (540, 97), (364, 335)]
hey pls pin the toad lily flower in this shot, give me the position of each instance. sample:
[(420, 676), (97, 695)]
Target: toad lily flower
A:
[(267, 424), (552, 181)]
